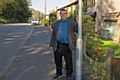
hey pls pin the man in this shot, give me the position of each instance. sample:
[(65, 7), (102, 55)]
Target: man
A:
[(63, 43)]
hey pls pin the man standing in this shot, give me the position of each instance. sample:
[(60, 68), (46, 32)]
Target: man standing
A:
[(63, 43)]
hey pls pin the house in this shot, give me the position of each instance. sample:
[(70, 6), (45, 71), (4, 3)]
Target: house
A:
[(108, 18)]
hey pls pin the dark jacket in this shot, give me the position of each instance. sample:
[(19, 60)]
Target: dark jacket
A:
[(72, 28)]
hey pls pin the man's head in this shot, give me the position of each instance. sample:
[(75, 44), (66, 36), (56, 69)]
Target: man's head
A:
[(63, 14)]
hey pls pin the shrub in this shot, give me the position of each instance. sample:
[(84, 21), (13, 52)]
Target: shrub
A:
[(88, 25), (2, 20)]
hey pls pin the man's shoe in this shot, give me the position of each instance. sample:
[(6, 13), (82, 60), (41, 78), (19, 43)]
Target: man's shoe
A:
[(56, 76), (68, 78)]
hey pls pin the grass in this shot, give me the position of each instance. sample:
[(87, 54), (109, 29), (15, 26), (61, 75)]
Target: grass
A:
[(103, 44), (112, 45), (106, 44)]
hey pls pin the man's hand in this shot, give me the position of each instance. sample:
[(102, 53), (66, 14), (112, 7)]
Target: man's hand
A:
[(51, 48)]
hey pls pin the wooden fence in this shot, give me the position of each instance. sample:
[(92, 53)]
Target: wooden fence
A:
[(112, 66)]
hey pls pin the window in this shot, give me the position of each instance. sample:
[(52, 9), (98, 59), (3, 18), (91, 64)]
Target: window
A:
[(111, 25)]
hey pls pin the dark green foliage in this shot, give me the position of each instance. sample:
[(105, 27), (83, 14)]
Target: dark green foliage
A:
[(73, 16), (29, 2), (84, 6), (75, 12), (2, 20), (94, 48), (15, 10), (52, 18), (88, 25)]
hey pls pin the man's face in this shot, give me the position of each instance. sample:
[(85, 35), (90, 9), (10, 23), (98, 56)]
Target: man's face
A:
[(63, 14)]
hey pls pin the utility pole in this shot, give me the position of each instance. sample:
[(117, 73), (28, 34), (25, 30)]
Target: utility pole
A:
[(79, 44), (45, 14)]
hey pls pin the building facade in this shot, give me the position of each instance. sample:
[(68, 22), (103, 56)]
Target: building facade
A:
[(108, 18)]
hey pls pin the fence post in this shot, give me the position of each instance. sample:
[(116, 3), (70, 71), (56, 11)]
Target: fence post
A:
[(110, 54)]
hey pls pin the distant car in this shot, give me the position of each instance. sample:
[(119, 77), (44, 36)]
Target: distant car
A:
[(34, 22)]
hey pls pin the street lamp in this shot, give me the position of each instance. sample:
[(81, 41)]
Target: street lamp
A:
[(79, 44)]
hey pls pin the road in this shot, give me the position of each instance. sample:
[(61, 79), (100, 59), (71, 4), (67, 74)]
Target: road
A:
[(34, 61), (26, 53), (11, 40)]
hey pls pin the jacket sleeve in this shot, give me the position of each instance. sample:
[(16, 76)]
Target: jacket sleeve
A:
[(75, 27), (52, 36)]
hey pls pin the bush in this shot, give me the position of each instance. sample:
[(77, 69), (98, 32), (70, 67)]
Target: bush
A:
[(88, 25), (3, 20), (72, 17)]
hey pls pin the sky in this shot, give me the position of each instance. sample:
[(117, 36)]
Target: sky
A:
[(50, 4)]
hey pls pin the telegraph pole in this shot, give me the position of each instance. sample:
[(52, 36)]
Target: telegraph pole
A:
[(79, 44), (45, 14)]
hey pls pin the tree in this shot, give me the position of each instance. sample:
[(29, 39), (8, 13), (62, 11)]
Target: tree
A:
[(88, 25), (52, 18), (84, 6), (29, 2), (23, 13), (14, 10)]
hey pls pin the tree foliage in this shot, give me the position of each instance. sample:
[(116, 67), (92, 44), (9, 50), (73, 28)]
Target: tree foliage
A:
[(14, 10), (88, 25), (84, 6), (52, 18), (29, 2)]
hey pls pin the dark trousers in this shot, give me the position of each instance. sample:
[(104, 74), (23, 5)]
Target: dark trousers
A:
[(63, 50)]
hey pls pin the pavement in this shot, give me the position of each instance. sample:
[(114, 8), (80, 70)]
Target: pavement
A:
[(16, 24), (11, 40), (34, 60)]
